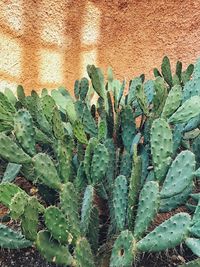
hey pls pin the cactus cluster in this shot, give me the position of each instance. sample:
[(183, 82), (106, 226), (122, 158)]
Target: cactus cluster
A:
[(104, 170)]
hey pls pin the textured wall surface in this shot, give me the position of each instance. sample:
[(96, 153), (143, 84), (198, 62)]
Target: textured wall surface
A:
[(48, 43)]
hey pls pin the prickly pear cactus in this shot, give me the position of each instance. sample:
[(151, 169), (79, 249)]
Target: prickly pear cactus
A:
[(167, 235), (161, 147), (124, 250), (52, 251)]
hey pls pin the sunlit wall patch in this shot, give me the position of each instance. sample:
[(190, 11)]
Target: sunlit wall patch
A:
[(51, 67)]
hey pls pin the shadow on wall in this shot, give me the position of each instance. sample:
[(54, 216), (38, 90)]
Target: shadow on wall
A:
[(48, 43), (45, 43)]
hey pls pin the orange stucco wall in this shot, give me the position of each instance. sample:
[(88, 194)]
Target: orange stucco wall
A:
[(48, 43)]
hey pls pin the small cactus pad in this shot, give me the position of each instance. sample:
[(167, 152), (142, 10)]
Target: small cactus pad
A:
[(134, 186), (30, 218), (194, 263), (52, 251), (7, 192), (24, 131), (88, 157), (87, 208), (11, 239), (57, 224), (147, 209), (167, 235), (170, 203), (166, 71), (11, 172), (173, 101), (120, 199), (70, 208), (161, 147), (194, 245), (180, 174), (79, 132), (83, 254), (189, 110), (17, 205), (123, 252), (99, 163), (128, 127), (46, 171), (11, 152)]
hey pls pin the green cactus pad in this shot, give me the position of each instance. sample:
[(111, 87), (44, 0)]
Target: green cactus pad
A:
[(84, 87), (11, 172), (30, 218), (166, 71), (11, 152), (83, 254), (6, 104), (192, 124), (123, 252), (17, 205), (194, 245), (58, 127), (160, 95), (99, 163), (88, 157), (48, 105), (89, 123), (195, 229), (147, 209), (79, 132), (170, 203), (134, 186), (97, 79), (24, 131), (196, 216), (11, 239), (188, 110), (40, 118), (87, 208), (120, 199), (128, 127), (64, 155), (126, 164), (142, 99), (46, 171), (52, 251), (173, 101), (10, 96), (7, 192), (102, 130), (70, 208), (167, 235), (21, 95), (93, 230), (180, 174), (57, 224), (194, 263), (80, 181), (161, 147)]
